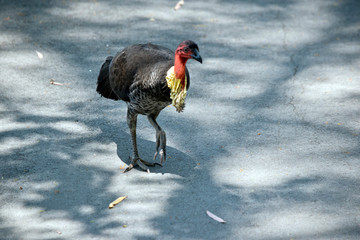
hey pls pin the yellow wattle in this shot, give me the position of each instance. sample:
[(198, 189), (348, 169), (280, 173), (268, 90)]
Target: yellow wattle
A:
[(178, 92)]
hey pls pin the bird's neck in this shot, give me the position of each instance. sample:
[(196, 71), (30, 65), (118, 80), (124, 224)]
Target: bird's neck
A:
[(179, 67)]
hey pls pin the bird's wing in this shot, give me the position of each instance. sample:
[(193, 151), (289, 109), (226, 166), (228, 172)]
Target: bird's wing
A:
[(136, 59)]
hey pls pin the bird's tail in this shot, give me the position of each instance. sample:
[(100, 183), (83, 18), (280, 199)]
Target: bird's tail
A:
[(103, 83)]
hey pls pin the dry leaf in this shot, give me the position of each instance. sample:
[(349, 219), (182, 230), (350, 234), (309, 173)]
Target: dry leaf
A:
[(40, 55), (117, 201), (178, 5), (52, 81), (55, 83), (216, 218)]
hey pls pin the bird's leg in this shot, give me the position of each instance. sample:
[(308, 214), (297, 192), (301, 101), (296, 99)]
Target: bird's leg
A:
[(160, 138), (136, 160)]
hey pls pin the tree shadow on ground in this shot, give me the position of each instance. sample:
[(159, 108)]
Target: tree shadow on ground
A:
[(75, 189)]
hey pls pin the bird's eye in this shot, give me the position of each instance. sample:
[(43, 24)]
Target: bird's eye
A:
[(186, 49)]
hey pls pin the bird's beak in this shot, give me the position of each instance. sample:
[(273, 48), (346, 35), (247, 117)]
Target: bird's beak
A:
[(196, 56)]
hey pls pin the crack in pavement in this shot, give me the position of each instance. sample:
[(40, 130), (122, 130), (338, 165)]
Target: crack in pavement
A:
[(295, 67)]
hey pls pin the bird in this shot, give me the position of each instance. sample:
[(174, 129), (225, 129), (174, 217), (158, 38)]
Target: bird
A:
[(148, 78)]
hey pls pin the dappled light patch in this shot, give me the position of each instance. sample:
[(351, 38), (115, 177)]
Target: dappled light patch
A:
[(268, 142)]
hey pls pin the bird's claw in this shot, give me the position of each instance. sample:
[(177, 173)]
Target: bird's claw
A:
[(141, 163), (131, 166), (162, 156), (160, 144)]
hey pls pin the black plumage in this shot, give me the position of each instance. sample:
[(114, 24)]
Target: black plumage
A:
[(137, 75)]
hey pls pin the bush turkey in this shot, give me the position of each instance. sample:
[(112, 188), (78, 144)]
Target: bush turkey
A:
[(148, 78)]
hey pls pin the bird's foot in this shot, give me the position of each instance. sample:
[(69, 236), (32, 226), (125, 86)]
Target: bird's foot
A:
[(160, 144), (162, 154), (141, 163)]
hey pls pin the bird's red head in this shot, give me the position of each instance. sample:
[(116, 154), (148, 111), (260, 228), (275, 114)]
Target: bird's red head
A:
[(185, 51), (188, 49)]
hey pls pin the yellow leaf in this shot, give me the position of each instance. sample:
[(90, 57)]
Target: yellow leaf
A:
[(117, 201)]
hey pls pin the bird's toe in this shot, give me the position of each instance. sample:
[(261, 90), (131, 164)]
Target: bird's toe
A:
[(162, 155), (160, 146), (141, 163), (131, 166)]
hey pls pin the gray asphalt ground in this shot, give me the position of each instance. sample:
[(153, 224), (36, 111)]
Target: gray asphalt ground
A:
[(269, 139)]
